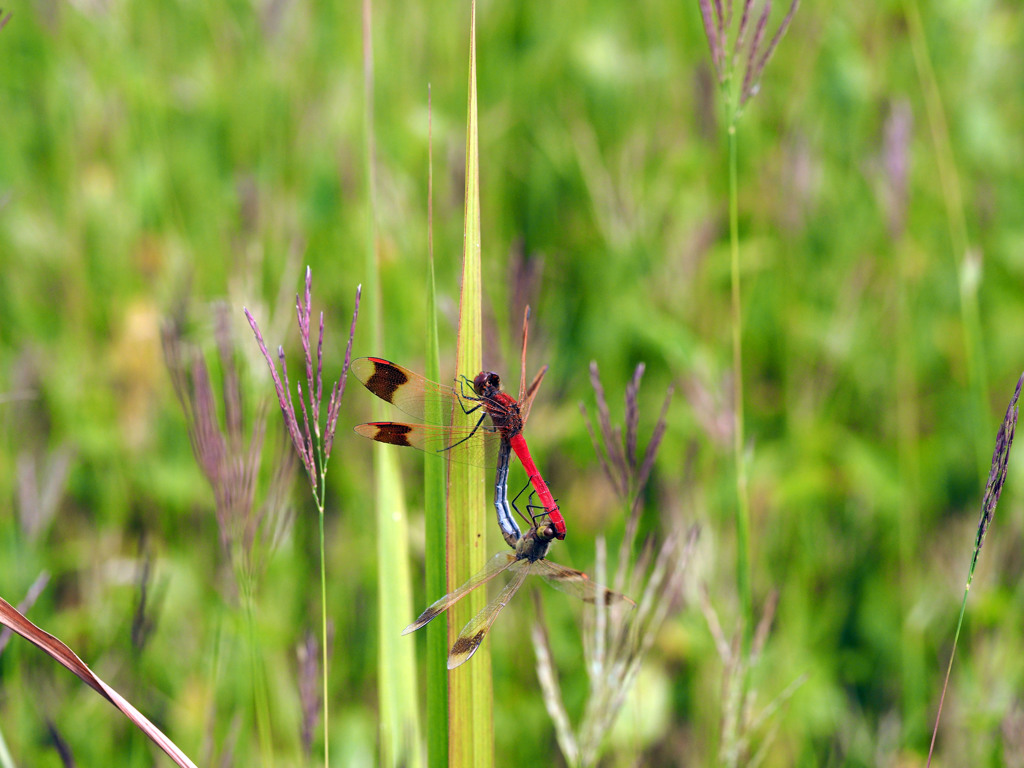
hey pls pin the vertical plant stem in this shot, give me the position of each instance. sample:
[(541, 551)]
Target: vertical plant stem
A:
[(470, 703), (993, 489), (909, 462), (742, 501), (952, 655), (967, 264), (261, 700), (377, 341), (323, 633), (399, 715), (433, 496)]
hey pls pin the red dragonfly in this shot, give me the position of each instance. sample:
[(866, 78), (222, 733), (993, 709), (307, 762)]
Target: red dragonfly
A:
[(528, 558), (498, 430)]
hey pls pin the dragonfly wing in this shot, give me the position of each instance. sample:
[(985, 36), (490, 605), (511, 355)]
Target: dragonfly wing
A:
[(577, 583), (473, 633), (522, 359), (461, 444), (527, 401), (494, 566), (408, 391)]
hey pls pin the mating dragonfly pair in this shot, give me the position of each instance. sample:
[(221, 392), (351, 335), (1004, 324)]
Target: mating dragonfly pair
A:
[(496, 434)]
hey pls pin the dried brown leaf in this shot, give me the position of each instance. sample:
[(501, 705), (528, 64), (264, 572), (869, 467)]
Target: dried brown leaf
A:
[(11, 618)]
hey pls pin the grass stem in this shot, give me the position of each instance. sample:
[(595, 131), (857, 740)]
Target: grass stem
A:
[(323, 636), (968, 264), (261, 700), (993, 489), (396, 661), (742, 500), (434, 509)]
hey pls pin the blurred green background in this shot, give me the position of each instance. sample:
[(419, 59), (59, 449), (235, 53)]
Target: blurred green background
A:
[(160, 156)]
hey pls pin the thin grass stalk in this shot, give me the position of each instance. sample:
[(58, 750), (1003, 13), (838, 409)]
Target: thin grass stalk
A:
[(993, 489), (318, 497), (323, 634), (895, 153), (396, 663), (742, 500), (967, 263), (313, 453), (213, 678), (433, 501), (230, 462), (550, 689), (376, 331), (261, 699), (470, 703), (726, 58)]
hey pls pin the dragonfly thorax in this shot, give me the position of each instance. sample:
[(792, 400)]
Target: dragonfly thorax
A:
[(534, 544)]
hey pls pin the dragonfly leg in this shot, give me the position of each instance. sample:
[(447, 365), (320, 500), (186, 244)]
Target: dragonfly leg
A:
[(463, 381), (541, 510), (533, 518), (473, 432)]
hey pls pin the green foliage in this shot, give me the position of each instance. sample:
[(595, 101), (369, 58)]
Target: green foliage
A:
[(155, 151)]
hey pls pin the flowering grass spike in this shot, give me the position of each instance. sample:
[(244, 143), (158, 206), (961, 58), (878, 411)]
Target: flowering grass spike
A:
[(313, 446), (228, 456), (725, 53), (309, 443), (993, 488), (615, 645)]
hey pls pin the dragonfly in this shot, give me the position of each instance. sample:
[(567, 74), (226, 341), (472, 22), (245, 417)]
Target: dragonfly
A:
[(497, 432), (529, 557)]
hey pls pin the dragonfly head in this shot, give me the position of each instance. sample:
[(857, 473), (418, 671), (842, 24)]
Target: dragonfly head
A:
[(534, 544), (486, 383)]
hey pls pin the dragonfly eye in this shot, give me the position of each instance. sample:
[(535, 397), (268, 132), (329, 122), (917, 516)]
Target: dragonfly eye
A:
[(486, 380)]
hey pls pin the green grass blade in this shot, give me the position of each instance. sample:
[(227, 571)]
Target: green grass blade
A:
[(470, 730), (396, 662), (396, 674), (433, 495)]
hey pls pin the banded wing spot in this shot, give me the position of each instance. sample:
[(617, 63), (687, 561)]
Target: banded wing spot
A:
[(389, 432), (385, 379), (577, 583), (464, 648), (473, 633), (426, 617), (494, 566)]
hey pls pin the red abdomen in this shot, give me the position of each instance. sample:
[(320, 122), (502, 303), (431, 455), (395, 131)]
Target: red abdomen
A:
[(543, 493)]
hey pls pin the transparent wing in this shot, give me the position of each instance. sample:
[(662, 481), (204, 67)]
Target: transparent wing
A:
[(527, 401), (526, 395), (494, 566), (522, 359), (408, 391), (577, 583), (461, 444), (448, 429), (475, 631)]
